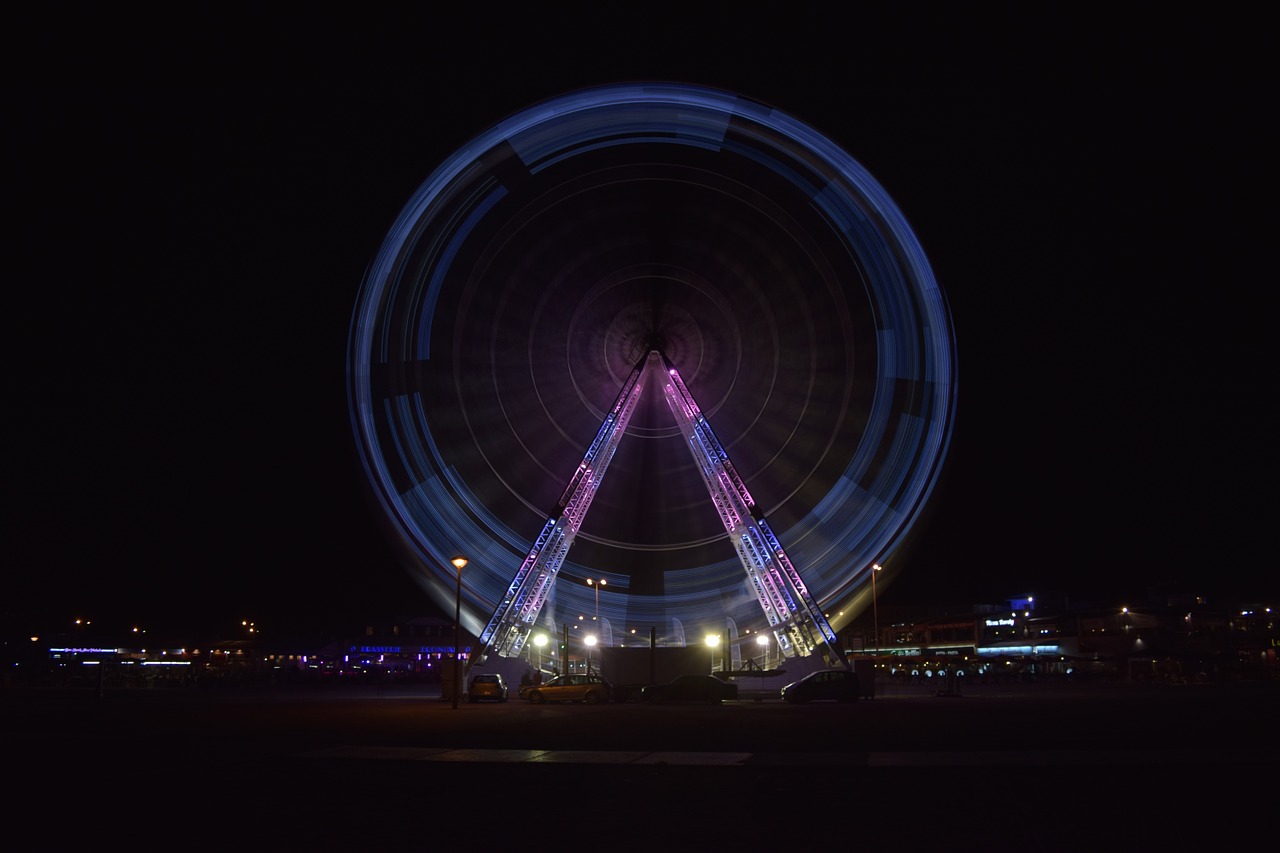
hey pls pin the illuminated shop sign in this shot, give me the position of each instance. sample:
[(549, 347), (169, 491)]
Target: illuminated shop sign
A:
[(950, 651), (1033, 651), (999, 623)]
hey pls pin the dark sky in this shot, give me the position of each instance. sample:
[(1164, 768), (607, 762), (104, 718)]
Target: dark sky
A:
[(193, 205)]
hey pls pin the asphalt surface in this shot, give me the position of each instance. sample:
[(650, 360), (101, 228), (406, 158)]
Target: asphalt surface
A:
[(1051, 766)]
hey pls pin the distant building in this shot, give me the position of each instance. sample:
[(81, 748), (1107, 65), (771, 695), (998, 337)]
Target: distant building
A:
[(1167, 637)]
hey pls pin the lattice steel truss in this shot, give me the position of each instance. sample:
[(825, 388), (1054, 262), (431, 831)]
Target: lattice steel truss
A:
[(794, 617)]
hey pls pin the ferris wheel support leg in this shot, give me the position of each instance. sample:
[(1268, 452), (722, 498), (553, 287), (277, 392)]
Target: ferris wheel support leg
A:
[(782, 593), (517, 613)]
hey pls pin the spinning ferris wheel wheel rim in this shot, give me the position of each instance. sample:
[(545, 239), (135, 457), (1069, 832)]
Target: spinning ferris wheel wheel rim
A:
[(410, 291)]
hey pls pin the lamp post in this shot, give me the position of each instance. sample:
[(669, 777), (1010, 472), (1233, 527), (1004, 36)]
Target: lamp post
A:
[(875, 612), (712, 641), (590, 640), (762, 640), (597, 584), (458, 563), (540, 641)]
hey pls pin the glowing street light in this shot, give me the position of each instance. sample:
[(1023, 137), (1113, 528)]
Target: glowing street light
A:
[(458, 563), (762, 640), (597, 584), (713, 640), (590, 640), (540, 641), (875, 612)]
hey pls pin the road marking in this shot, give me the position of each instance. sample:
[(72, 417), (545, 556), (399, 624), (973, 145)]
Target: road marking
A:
[(990, 758)]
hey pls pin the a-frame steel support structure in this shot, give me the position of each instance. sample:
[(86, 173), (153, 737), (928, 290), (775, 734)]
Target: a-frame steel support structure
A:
[(793, 615)]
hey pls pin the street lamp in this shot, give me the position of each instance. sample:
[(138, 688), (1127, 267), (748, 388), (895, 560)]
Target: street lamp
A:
[(875, 612), (597, 584), (540, 641), (762, 640), (590, 640), (713, 640), (458, 563)]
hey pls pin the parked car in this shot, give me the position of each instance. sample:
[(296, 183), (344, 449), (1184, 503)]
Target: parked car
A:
[(690, 688), (487, 686), (591, 689), (838, 684)]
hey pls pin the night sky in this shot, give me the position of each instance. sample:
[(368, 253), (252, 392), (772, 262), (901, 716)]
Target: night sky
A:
[(191, 212)]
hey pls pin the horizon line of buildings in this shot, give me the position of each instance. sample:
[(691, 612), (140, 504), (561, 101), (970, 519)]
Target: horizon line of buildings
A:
[(1173, 636)]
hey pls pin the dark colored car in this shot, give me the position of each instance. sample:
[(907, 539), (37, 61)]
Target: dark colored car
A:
[(690, 688), (591, 689), (838, 684), (486, 685)]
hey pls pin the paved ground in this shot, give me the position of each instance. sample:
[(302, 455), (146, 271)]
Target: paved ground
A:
[(1048, 767)]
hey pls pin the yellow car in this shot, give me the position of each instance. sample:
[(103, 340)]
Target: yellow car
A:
[(591, 689)]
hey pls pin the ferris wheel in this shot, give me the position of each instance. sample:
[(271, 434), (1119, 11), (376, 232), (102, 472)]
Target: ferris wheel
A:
[(660, 361)]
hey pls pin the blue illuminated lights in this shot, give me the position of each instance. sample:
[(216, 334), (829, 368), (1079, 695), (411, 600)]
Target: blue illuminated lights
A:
[(428, 367)]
